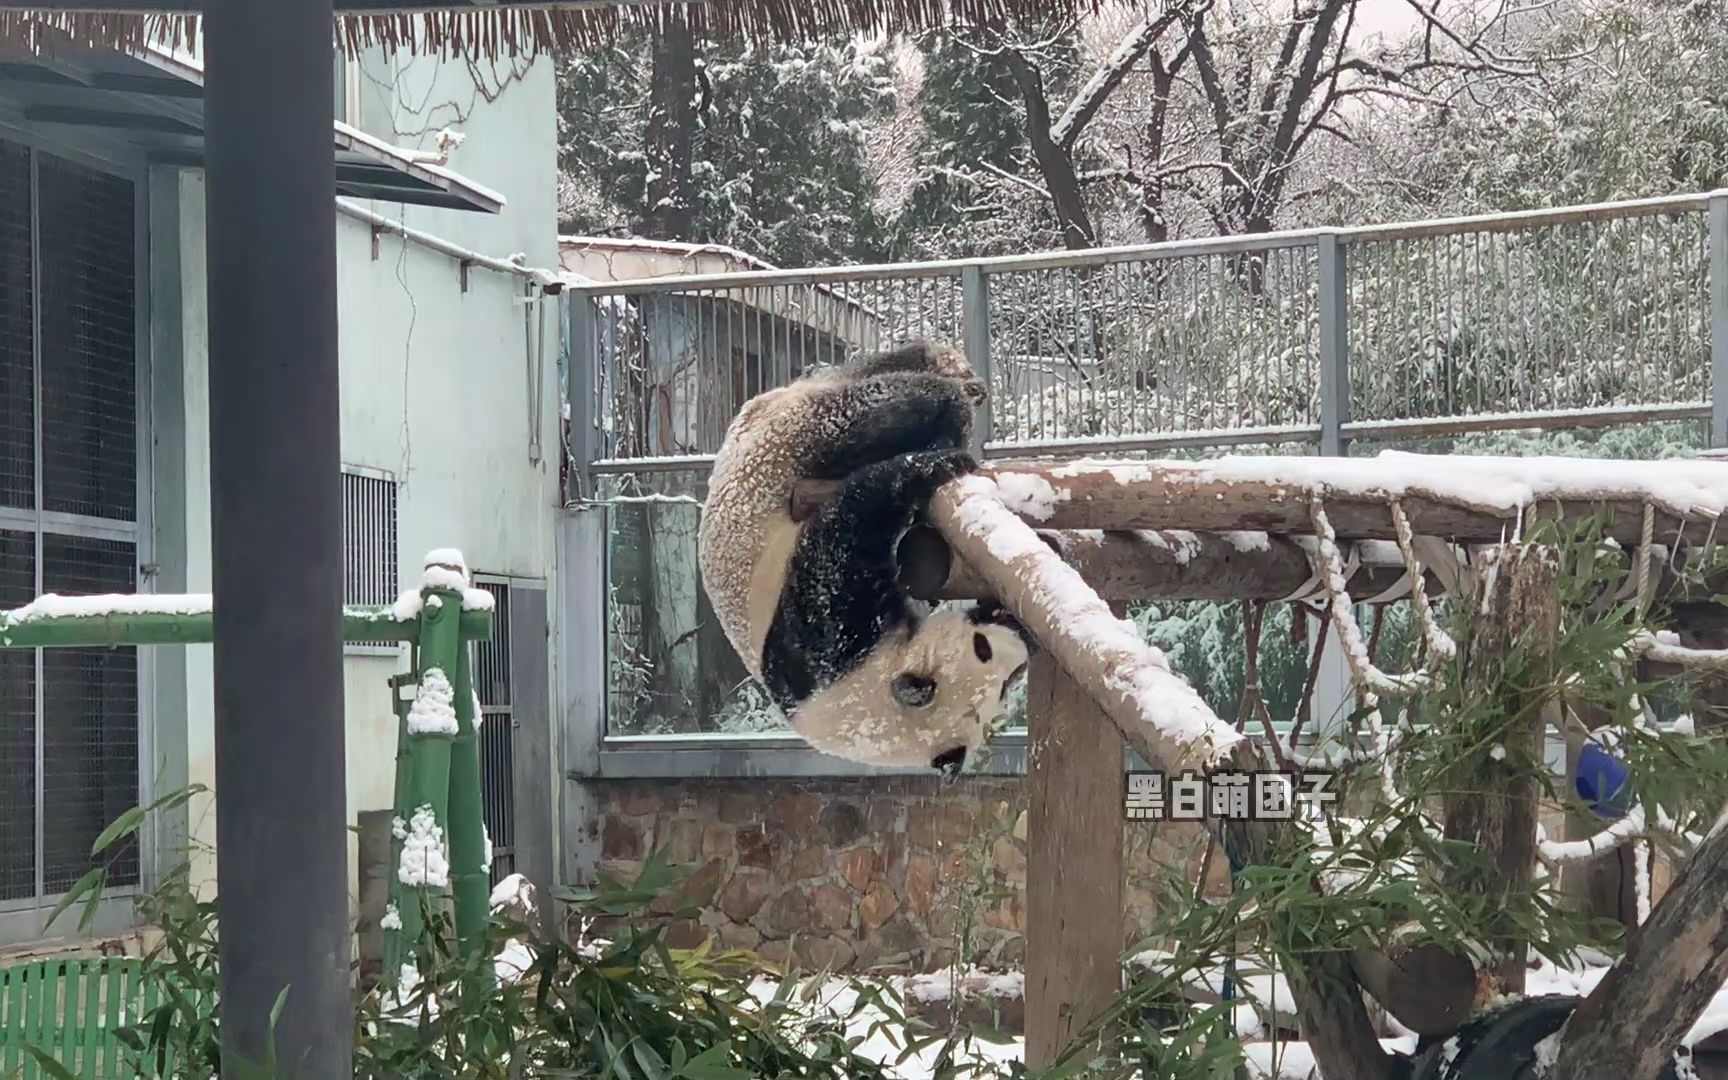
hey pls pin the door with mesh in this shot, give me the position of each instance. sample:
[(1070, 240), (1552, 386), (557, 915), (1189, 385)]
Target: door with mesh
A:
[(69, 521)]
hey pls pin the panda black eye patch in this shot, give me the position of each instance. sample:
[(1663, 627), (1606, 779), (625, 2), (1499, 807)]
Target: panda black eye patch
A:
[(981, 646)]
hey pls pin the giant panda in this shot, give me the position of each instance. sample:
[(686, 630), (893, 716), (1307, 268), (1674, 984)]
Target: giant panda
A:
[(813, 607)]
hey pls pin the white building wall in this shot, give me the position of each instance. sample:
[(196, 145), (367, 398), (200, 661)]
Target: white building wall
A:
[(435, 390)]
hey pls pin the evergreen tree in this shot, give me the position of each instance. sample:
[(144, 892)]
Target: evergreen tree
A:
[(777, 161)]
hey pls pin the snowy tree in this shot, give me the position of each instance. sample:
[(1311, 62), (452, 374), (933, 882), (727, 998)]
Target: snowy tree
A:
[(758, 148)]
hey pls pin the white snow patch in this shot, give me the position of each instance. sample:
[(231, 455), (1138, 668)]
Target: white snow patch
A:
[(424, 863), (1138, 672), (439, 577), (477, 600), (1029, 494), (398, 828), (514, 891), (512, 961), (407, 606), (55, 606), (433, 711), (434, 601), (1246, 541), (1181, 543), (392, 919)]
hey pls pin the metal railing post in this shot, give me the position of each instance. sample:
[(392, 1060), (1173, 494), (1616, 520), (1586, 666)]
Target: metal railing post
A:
[(1718, 226), (1334, 346), (582, 394), (975, 334), (1332, 686)]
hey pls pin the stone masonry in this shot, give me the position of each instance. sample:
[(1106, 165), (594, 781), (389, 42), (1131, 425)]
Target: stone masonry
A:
[(896, 873)]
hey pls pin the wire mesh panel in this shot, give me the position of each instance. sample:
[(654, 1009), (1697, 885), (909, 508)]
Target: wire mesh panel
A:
[(90, 721), (497, 733), (88, 316), (17, 727), (675, 367), (1155, 347), (1582, 315), (369, 572), (69, 718), (17, 343)]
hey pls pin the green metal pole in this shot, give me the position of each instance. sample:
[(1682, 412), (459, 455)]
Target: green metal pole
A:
[(23, 629), (392, 926), (430, 728), (471, 873)]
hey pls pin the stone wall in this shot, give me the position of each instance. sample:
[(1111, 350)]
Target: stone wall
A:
[(900, 873)]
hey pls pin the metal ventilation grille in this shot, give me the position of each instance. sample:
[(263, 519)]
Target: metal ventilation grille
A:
[(86, 236), (89, 721), (368, 538), (497, 733), (17, 360), (17, 726)]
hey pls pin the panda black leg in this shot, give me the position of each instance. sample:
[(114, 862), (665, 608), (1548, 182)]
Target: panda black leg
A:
[(890, 415), (843, 593)]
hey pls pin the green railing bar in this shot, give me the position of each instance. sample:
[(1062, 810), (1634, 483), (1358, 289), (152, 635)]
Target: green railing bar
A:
[(359, 624)]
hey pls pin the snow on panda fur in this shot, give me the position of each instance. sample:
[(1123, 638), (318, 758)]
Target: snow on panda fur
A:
[(814, 608)]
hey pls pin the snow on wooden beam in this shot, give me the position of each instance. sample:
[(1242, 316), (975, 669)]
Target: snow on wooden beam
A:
[(1156, 710), (1459, 498)]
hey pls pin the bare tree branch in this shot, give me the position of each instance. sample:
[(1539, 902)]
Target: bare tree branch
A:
[(1091, 97)]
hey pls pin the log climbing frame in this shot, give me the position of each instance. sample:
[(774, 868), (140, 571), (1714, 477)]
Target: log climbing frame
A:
[(1065, 546)]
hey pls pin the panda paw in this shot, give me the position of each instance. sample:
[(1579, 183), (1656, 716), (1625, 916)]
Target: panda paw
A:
[(947, 465)]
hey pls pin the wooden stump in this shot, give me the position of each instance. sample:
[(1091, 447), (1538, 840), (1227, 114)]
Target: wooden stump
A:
[(1492, 800), (1074, 863)]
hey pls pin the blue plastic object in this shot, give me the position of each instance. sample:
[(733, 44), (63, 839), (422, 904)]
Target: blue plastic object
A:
[(1600, 780)]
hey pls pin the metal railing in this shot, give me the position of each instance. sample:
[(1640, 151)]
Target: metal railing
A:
[(1305, 340)]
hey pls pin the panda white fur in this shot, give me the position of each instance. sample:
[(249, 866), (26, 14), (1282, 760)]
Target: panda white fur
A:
[(814, 607)]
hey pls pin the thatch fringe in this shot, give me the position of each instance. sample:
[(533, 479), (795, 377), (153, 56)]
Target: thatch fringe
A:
[(511, 29)]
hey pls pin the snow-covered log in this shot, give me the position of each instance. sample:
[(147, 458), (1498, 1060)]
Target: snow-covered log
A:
[(1156, 710), (1465, 499)]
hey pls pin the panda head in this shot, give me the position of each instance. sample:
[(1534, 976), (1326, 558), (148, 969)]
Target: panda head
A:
[(961, 663), (927, 695)]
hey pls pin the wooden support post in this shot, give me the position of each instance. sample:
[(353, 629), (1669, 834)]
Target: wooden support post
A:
[(1074, 862), (1491, 799)]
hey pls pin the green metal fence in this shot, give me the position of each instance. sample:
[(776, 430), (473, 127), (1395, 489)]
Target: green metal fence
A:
[(70, 1008)]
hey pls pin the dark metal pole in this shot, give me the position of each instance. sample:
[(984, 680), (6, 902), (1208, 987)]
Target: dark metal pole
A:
[(276, 530)]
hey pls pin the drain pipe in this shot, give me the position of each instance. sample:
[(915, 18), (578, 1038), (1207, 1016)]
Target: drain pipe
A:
[(547, 281)]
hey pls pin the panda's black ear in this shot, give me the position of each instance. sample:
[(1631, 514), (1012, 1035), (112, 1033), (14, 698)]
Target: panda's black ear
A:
[(914, 690)]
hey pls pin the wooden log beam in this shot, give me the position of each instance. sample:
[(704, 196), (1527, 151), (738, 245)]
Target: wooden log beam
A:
[(1158, 714), (1673, 966), (1075, 859), (1462, 498), (1133, 567), (1428, 987)]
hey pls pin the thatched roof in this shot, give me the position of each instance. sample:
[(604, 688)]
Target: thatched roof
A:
[(516, 26)]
